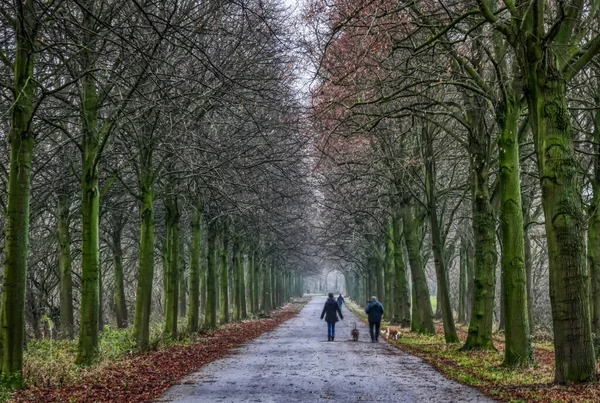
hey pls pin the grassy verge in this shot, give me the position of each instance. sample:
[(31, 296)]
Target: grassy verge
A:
[(484, 369), (121, 372)]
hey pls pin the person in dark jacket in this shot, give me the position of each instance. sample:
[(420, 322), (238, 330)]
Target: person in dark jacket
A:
[(331, 310), (340, 301), (375, 311)]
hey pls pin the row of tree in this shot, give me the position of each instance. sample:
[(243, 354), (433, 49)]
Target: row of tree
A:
[(452, 130), (154, 163)]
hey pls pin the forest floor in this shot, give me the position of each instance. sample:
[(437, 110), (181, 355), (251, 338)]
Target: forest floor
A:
[(294, 363), (135, 377), (484, 370)]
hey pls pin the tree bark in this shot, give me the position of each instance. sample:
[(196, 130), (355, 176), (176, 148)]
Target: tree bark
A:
[(224, 277), (143, 302), (22, 141), (565, 225), (437, 244), (64, 266), (172, 273), (211, 285), (518, 349), (195, 269), (421, 290), (484, 231), (401, 283), (120, 302)]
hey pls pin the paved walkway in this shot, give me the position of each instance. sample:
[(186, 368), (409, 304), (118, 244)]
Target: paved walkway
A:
[(296, 363)]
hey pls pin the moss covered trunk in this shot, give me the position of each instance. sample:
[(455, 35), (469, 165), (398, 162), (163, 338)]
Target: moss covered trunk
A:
[(120, 302), (210, 318), (484, 232), (143, 301), (64, 266), (193, 315), (437, 245), (242, 289), (565, 224), (237, 308), (16, 247), (172, 272), (514, 277), (594, 227), (424, 321), (401, 284), (389, 273), (90, 203), (224, 277)]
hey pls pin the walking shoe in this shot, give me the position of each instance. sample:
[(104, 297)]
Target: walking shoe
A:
[(332, 338)]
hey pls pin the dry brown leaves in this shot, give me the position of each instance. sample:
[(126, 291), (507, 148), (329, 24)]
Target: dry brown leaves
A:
[(148, 375)]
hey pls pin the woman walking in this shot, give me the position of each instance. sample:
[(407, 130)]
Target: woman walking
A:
[(331, 310)]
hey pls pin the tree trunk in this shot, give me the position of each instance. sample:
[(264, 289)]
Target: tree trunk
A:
[(514, 277), (243, 307), (143, 302), (195, 255), (462, 284), (64, 267), (224, 278), (182, 311), (22, 141), (443, 294), (172, 274), (389, 273), (484, 230), (594, 227), (425, 314), (565, 223), (528, 261), (120, 302), (235, 251), (401, 284), (210, 319)]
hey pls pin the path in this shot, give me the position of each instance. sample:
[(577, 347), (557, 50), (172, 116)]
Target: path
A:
[(295, 363)]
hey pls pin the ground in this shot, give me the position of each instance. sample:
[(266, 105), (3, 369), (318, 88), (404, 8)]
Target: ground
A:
[(296, 363)]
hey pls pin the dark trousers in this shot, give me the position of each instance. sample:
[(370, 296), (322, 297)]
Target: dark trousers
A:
[(331, 329), (374, 330)]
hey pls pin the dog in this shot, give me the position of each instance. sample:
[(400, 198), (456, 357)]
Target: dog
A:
[(390, 332), (354, 333)]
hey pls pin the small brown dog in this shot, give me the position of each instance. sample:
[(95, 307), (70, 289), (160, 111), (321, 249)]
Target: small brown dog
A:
[(354, 333), (391, 332)]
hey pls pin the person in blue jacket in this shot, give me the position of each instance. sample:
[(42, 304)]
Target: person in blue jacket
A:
[(375, 311), (331, 310), (340, 301)]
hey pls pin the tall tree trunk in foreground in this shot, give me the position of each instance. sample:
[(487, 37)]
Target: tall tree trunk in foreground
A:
[(421, 290), (484, 230), (90, 193), (514, 277), (21, 140)]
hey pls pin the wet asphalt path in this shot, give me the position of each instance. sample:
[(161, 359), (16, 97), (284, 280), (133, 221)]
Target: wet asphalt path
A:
[(296, 363)]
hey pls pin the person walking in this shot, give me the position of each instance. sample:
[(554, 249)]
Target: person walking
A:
[(375, 311), (340, 301), (331, 310)]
